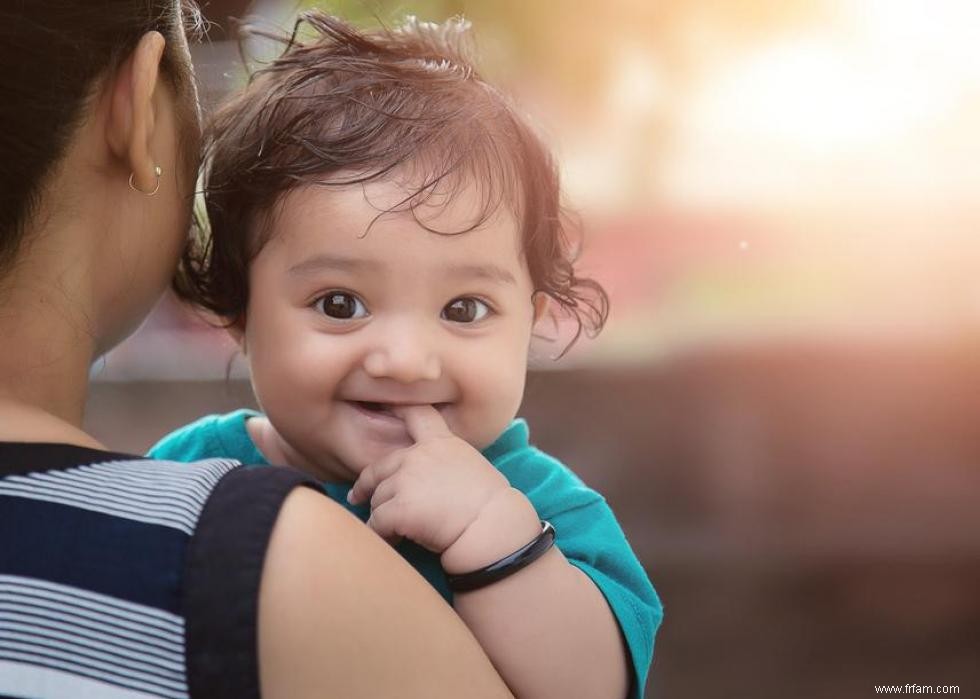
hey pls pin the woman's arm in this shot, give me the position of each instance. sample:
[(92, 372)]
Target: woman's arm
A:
[(341, 614)]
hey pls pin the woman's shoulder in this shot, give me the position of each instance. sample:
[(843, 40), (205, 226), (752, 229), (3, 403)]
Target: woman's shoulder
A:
[(333, 588)]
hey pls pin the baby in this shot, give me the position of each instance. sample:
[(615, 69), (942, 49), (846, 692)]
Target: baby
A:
[(385, 230)]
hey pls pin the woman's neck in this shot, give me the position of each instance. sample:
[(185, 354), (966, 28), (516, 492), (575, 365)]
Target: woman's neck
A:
[(20, 422), (47, 352)]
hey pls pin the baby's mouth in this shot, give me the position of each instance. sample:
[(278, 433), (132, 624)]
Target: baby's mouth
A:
[(381, 408), (385, 408)]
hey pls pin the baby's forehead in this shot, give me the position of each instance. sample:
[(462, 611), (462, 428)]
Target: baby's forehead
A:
[(384, 216), (448, 207)]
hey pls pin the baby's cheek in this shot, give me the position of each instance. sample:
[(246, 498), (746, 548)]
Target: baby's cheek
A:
[(495, 406), (269, 381), (281, 386)]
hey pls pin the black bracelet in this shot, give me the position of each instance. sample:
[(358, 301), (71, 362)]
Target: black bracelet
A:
[(524, 556)]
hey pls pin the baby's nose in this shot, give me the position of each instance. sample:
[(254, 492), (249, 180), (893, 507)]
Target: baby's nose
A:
[(405, 357)]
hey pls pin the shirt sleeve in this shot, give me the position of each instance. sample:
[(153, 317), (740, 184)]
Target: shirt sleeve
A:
[(591, 539), (222, 576), (192, 442)]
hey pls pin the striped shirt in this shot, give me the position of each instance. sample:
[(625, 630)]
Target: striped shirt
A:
[(129, 578)]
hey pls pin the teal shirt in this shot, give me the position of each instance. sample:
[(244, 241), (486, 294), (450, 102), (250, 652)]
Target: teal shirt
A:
[(587, 531)]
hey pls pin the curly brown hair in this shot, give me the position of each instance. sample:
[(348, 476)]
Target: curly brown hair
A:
[(348, 107)]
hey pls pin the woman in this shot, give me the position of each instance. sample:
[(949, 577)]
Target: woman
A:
[(124, 577)]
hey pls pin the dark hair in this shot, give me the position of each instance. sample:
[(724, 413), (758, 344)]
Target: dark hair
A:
[(349, 107), (51, 54)]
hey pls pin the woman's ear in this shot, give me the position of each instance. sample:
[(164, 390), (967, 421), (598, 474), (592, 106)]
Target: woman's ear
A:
[(132, 112)]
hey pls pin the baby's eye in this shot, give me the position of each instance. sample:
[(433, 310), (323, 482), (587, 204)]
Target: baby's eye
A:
[(465, 310), (341, 305)]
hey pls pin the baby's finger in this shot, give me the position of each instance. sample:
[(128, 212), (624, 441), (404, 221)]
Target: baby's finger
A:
[(386, 490), (422, 421), (384, 520), (372, 476)]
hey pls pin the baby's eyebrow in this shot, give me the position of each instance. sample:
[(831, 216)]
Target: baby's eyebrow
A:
[(489, 272), (337, 263)]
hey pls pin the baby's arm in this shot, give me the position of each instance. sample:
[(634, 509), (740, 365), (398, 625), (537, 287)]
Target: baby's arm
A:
[(547, 628)]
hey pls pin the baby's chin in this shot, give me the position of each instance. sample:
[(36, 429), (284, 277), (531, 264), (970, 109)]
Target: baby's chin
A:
[(334, 466), (353, 463)]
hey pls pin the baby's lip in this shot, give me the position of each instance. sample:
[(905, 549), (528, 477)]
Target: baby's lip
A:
[(396, 403), (387, 406)]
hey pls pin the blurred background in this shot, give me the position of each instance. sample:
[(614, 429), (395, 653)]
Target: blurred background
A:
[(784, 409)]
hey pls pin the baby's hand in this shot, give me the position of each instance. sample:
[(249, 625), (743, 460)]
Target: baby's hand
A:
[(431, 491)]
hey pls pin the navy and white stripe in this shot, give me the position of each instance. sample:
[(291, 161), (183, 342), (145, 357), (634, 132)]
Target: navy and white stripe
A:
[(50, 631), (155, 492), (129, 578), (91, 564), (28, 680)]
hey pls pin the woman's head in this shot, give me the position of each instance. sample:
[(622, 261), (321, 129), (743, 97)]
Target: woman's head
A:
[(52, 55), (349, 107), (96, 92)]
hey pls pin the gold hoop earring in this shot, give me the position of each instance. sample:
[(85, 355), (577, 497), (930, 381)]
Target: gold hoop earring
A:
[(158, 171)]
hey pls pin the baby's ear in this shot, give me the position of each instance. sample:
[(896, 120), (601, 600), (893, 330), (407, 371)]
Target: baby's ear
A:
[(236, 329), (540, 300)]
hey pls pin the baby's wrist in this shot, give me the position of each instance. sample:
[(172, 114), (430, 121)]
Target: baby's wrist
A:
[(506, 523)]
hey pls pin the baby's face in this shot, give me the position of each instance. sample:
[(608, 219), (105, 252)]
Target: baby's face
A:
[(346, 319)]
